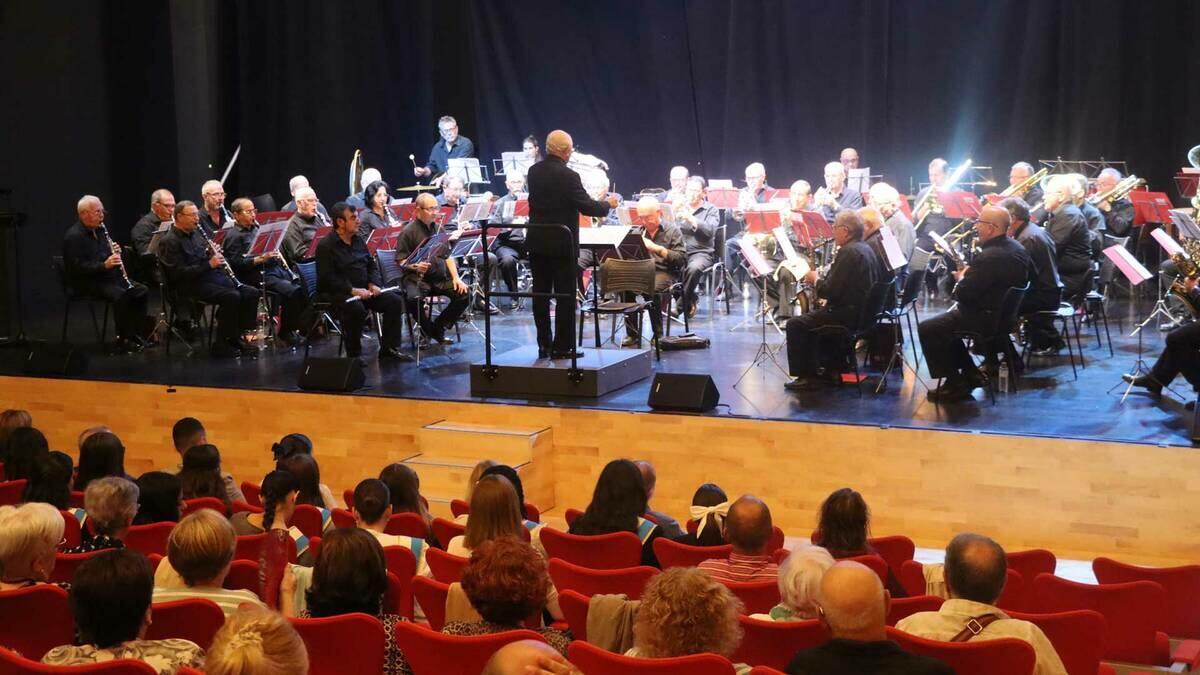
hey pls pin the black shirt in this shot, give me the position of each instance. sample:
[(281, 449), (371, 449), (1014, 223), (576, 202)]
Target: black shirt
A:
[(237, 245), (143, 232), (342, 266), (185, 256), (410, 239), (854, 271), (852, 657), (669, 237), (1041, 252), (1119, 219), (369, 221), (300, 232), (1001, 263), (556, 196), (207, 222), (875, 241), (1072, 240), (84, 253), (700, 239), (439, 156)]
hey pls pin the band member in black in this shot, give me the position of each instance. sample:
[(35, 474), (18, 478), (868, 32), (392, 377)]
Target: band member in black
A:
[(1180, 356), (267, 269), (1072, 240), (836, 195), (1045, 292), (196, 272), (437, 276), (510, 244), (665, 244), (1001, 263), (698, 222), (95, 270), (303, 226), (1118, 213)]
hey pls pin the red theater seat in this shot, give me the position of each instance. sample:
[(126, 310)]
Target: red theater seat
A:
[(575, 610), (674, 554), (350, 643), (243, 575), (593, 660), (150, 538), (12, 663), (774, 643), (54, 625), (1182, 585), (603, 551), (1077, 636), (253, 493), (446, 568), (191, 506), (1006, 656), (906, 607), (12, 492), (194, 619), (445, 530), (757, 596), (433, 653), (1133, 612), (630, 581)]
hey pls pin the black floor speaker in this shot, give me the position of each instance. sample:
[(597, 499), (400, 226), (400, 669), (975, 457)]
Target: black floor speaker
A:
[(687, 393), (337, 374), (48, 358)]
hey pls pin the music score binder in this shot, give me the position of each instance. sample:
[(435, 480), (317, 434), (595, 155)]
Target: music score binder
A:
[(1123, 260), (1150, 207), (268, 238), (762, 221), (320, 234), (722, 197), (384, 239)]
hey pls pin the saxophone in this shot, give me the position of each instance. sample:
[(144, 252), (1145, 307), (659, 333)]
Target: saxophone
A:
[(1188, 264)]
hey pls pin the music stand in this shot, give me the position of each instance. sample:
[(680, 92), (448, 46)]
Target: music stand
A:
[(722, 197), (1186, 182), (405, 211), (512, 162), (319, 234), (762, 220), (468, 168), (1137, 273), (760, 269), (960, 205), (859, 179), (603, 242), (1185, 224), (384, 239)]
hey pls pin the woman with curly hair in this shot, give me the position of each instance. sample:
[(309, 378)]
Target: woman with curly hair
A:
[(256, 641), (685, 612)]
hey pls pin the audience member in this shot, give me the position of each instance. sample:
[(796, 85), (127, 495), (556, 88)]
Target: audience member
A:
[(528, 657), (11, 419), (111, 504), (51, 480), (748, 528), (477, 473), (89, 432), (514, 478), (670, 526), (854, 607), (110, 598), (187, 433), (372, 510), (278, 492), (201, 475), (293, 444), (101, 455), (404, 486), (494, 513), (710, 505), (506, 582), (843, 530), (684, 611), (29, 535), (200, 549), (617, 505), (976, 569), (255, 641), (159, 498), (799, 582), (308, 479), (27, 447)]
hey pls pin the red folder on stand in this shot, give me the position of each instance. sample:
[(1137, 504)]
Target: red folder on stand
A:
[(960, 205), (762, 221), (268, 238), (818, 227), (384, 239), (317, 237), (1150, 207), (723, 198)]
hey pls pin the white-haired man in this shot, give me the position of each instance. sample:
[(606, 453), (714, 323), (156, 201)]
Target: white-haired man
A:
[(886, 199), (510, 244), (1118, 213), (665, 244), (755, 191), (836, 195), (302, 227), (698, 222), (1020, 172), (1072, 241), (296, 183), (678, 180), (358, 199), (162, 208), (450, 146), (454, 195), (213, 214)]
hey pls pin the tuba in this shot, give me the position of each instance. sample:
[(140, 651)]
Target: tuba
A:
[(1188, 263), (1194, 160)]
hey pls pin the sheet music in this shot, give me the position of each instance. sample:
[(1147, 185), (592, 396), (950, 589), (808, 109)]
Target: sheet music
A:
[(895, 257), (609, 236), (920, 259), (466, 167), (721, 183), (785, 243), (515, 162), (1133, 270), (859, 179), (1184, 223)]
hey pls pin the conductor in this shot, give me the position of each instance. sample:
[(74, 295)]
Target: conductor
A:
[(556, 196)]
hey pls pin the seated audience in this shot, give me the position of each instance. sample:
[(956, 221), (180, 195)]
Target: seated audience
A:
[(976, 569), (514, 479), (188, 432), (308, 480), (201, 549), (710, 505), (293, 444), (111, 504), (255, 641), (799, 581), (278, 492), (684, 611), (477, 473), (29, 535), (404, 486), (528, 657), (617, 505), (748, 528), (201, 475), (110, 598), (845, 525), (373, 508), (854, 607), (350, 576), (89, 432), (27, 447), (101, 455), (506, 582), (494, 514), (51, 480), (159, 499), (9, 420), (670, 526)]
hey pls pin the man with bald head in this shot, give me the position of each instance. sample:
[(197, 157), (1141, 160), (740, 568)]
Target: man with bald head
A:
[(1001, 263), (976, 569), (1019, 173), (748, 528), (556, 196), (528, 657), (1118, 213), (678, 178), (295, 184), (436, 276), (665, 244), (162, 207), (849, 159), (836, 195), (853, 606)]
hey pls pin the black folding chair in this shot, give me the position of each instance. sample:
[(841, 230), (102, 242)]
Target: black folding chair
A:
[(868, 319), (71, 296), (997, 342), (616, 278)]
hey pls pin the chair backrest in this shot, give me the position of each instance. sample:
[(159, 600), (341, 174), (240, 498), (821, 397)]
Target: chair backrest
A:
[(773, 544), (1077, 636), (911, 576), (1030, 564), (445, 530), (1015, 593), (59, 265), (894, 549), (150, 538), (756, 670), (65, 565), (12, 492), (1131, 610), (54, 625), (1182, 585), (75, 501), (876, 299), (237, 506), (407, 524), (570, 515), (905, 607), (1010, 307), (191, 506), (774, 643), (620, 276), (243, 576), (913, 285), (574, 607), (350, 643), (757, 596), (389, 271), (342, 518), (674, 554), (431, 594), (309, 520), (249, 547), (630, 580), (459, 507), (308, 277), (433, 653), (593, 660), (1005, 656), (72, 532), (401, 562), (533, 513), (615, 550), (12, 663), (194, 619), (253, 493), (877, 565), (445, 567)]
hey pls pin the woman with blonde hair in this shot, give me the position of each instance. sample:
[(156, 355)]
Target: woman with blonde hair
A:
[(256, 641), (29, 535), (494, 513), (200, 549)]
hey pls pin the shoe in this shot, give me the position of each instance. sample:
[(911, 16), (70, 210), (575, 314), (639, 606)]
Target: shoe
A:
[(630, 341), (577, 353), (393, 354), (543, 354), (951, 391), (976, 379), (805, 384), (691, 312), (677, 311), (1051, 350), (489, 308), (1146, 382)]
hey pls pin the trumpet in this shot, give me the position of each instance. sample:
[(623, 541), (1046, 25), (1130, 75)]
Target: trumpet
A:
[(116, 250), (1119, 191), (215, 249), (824, 197)]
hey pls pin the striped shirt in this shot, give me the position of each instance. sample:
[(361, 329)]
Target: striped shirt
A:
[(227, 599), (741, 568)]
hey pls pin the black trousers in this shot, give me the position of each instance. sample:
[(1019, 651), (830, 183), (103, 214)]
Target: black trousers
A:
[(293, 302), (435, 327), (389, 305), (236, 306), (1181, 355), (1042, 332), (697, 262), (945, 353), (662, 282), (554, 274), (809, 351), (129, 305), (507, 257)]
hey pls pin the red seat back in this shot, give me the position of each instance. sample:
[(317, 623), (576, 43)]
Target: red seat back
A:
[(876, 564), (757, 670), (308, 519), (65, 565), (1132, 612), (445, 530), (757, 596), (395, 596), (905, 607), (571, 515), (12, 663), (533, 513), (342, 518), (273, 216), (575, 610), (674, 554), (894, 549), (773, 544), (629, 580), (433, 653), (407, 524), (76, 499), (593, 660), (1029, 564), (1005, 656), (459, 507), (191, 506), (431, 595), (445, 567), (1077, 636), (774, 643), (350, 643), (54, 625), (1182, 584), (911, 576), (402, 563), (240, 506), (253, 493), (150, 538), (249, 546), (243, 575), (194, 619), (72, 533), (1015, 593), (12, 492), (602, 551), (348, 498)]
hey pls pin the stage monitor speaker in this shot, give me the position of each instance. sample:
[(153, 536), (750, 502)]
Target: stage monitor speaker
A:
[(48, 358), (687, 393), (336, 374)]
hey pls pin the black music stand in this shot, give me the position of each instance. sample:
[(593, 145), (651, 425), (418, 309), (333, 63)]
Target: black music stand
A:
[(760, 267), (13, 220)]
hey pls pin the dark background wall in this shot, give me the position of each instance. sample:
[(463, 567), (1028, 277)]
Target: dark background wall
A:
[(118, 98)]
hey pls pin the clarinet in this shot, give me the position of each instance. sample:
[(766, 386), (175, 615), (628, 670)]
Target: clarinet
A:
[(216, 250), (116, 250)]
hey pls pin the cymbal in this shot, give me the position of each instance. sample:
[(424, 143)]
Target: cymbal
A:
[(416, 188)]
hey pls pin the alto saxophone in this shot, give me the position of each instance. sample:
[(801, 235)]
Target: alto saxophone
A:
[(1187, 262)]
